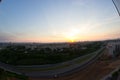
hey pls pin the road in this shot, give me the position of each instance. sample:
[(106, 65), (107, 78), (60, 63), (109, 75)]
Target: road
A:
[(9, 68), (66, 70), (95, 71), (54, 73)]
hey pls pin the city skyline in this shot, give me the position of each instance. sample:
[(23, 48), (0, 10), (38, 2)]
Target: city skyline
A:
[(58, 20)]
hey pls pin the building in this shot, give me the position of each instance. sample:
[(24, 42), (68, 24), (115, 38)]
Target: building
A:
[(114, 48)]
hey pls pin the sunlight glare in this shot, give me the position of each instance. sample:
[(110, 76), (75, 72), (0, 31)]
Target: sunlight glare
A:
[(72, 35)]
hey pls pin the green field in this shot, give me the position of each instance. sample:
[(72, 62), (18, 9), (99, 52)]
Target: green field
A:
[(16, 55), (79, 61)]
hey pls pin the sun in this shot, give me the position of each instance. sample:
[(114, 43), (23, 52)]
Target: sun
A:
[(72, 40), (72, 35)]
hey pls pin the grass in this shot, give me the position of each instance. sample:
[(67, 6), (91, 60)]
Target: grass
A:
[(84, 59), (22, 77), (44, 69), (6, 75), (79, 61)]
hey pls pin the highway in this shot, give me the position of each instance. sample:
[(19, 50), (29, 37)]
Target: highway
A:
[(57, 72), (10, 68), (66, 70)]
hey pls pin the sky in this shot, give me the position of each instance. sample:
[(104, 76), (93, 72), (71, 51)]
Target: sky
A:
[(58, 20)]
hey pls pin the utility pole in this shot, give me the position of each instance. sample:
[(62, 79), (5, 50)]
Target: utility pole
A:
[(116, 7)]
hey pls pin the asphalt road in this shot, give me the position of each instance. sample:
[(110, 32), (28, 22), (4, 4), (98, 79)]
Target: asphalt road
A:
[(54, 73), (9, 68), (67, 70)]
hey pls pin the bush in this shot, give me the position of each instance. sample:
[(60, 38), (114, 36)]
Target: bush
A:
[(115, 75)]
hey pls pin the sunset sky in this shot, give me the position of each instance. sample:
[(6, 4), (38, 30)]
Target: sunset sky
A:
[(58, 20)]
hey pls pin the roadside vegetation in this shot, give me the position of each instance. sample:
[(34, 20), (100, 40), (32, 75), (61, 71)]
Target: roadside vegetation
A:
[(5, 75), (78, 61), (20, 55)]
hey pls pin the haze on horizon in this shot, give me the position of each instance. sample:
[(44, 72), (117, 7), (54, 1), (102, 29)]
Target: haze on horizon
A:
[(58, 20)]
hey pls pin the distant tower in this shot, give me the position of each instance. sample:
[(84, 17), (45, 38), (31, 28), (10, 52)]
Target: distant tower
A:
[(117, 5)]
